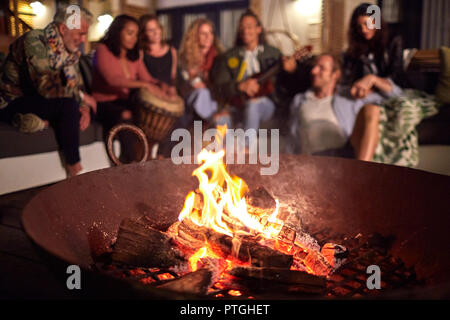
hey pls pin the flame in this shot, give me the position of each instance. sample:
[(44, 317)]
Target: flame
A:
[(223, 194), (224, 209)]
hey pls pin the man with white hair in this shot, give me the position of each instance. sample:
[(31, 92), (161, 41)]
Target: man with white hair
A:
[(41, 83)]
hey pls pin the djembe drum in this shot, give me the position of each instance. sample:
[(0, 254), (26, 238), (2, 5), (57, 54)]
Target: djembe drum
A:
[(154, 116)]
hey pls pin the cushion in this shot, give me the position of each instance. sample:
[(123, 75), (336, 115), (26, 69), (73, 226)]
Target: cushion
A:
[(443, 87)]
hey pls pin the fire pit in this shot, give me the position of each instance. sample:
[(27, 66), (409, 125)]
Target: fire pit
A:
[(396, 218)]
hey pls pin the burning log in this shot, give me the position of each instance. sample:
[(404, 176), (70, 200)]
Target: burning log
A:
[(248, 250), (191, 236), (335, 254), (244, 249), (297, 280), (197, 282), (260, 202), (307, 242), (316, 262), (138, 244)]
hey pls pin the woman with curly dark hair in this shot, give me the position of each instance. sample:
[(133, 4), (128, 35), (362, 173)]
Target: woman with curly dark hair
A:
[(374, 60), (118, 68)]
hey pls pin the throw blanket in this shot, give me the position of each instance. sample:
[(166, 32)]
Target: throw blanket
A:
[(398, 143)]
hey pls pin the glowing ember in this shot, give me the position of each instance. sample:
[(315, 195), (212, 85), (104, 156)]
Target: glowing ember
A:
[(235, 293), (165, 276)]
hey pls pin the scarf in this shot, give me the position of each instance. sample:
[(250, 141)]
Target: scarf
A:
[(60, 57)]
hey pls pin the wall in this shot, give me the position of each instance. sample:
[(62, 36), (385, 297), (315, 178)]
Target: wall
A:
[(301, 17), (166, 4), (42, 20)]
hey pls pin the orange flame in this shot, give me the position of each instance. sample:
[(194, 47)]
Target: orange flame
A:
[(222, 195)]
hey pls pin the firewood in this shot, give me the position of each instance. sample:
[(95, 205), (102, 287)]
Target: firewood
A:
[(249, 251), (291, 280), (335, 254), (99, 244), (260, 198), (196, 282), (279, 275), (190, 236), (138, 244), (316, 262)]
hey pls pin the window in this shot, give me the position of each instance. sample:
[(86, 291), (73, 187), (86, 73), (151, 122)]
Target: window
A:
[(20, 17), (224, 15)]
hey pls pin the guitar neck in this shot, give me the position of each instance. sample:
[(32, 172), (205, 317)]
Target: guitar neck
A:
[(269, 73), (298, 55)]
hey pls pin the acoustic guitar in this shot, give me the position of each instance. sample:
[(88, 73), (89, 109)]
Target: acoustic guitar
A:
[(265, 78)]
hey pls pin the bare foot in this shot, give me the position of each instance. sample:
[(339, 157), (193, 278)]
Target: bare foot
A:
[(46, 124), (74, 169)]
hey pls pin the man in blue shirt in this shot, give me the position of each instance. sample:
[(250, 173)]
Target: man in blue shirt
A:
[(327, 117)]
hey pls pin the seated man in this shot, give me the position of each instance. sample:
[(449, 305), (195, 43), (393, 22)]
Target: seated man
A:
[(41, 83), (232, 74), (325, 118)]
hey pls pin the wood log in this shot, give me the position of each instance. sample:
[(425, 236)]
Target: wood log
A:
[(138, 244), (197, 282), (280, 275), (260, 198), (190, 236), (278, 278), (249, 251), (316, 262), (99, 244)]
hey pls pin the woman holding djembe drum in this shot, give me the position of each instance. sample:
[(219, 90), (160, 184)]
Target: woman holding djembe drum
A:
[(160, 58), (119, 69)]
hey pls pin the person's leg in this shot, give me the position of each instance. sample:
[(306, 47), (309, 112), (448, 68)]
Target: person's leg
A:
[(111, 113), (365, 135), (63, 115), (258, 110), (202, 103), (67, 129)]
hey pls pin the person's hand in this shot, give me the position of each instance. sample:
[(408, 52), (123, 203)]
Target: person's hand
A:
[(199, 85), (85, 118), (157, 91), (172, 91), (363, 87), (90, 101), (289, 64), (250, 87), (193, 72)]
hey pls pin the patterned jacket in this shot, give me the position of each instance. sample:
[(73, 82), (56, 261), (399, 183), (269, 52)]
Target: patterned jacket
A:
[(27, 71)]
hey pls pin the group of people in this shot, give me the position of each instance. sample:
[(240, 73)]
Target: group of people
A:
[(41, 78)]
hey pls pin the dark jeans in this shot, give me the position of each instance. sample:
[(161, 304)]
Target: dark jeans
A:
[(63, 115), (109, 114)]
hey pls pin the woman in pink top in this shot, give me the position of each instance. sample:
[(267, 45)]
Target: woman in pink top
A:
[(119, 68)]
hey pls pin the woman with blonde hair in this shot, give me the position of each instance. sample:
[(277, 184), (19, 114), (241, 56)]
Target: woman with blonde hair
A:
[(198, 50)]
